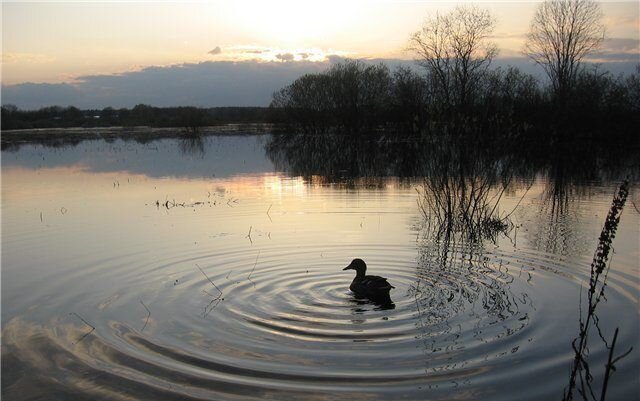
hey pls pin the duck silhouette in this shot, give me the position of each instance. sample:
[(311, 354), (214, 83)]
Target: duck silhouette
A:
[(374, 288)]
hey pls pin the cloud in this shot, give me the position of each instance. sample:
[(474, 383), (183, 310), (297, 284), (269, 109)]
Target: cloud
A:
[(26, 58), (617, 50), (217, 50), (33, 96), (285, 57), (629, 21), (205, 84), (621, 45), (334, 58)]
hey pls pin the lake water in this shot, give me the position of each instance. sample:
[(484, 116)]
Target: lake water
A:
[(212, 269)]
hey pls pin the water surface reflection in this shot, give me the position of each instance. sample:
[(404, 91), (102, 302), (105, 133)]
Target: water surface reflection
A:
[(238, 293)]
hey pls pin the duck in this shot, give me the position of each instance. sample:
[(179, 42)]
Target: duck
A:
[(375, 288)]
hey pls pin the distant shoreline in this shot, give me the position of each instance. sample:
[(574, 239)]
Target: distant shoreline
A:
[(53, 136)]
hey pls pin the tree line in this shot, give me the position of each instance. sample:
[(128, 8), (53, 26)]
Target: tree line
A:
[(454, 86), (189, 118)]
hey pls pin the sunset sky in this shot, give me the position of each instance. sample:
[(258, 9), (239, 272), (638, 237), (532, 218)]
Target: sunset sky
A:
[(71, 46)]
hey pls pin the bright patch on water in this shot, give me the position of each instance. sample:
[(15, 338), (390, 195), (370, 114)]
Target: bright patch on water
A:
[(168, 271)]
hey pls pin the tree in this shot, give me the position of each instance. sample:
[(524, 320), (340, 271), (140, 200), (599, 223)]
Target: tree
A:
[(455, 50), (562, 33), (633, 86), (408, 99), (8, 118), (351, 95), (191, 118)]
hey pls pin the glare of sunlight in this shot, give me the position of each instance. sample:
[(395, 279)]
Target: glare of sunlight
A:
[(293, 23)]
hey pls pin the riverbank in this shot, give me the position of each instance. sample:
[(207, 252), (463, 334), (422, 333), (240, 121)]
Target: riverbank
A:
[(65, 136)]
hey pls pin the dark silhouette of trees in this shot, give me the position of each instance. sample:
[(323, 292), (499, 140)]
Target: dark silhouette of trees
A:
[(509, 97), (562, 33), (191, 119), (455, 50), (602, 100), (409, 99), (187, 118), (52, 116), (355, 98), (633, 88), (350, 96), (459, 94)]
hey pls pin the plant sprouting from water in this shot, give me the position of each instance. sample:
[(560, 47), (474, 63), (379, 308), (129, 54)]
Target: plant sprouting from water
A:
[(581, 378)]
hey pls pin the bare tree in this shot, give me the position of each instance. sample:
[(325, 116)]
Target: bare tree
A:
[(561, 34), (454, 48)]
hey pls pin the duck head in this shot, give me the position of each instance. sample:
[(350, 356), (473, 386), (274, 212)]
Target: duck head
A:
[(359, 266)]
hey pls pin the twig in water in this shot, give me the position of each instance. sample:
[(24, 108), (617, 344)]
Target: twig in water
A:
[(249, 235), (85, 322), (610, 364), (148, 316), (216, 300), (254, 265), (211, 281), (518, 204), (167, 204), (40, 217), (268, 215), (211, 306)]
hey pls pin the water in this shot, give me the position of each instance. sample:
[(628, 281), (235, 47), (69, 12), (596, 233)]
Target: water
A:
[(213, 270)]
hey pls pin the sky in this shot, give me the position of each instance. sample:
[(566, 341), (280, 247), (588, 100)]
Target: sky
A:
[(98, 54)]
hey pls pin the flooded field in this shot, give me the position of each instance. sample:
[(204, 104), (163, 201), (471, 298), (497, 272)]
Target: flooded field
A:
[(212, 269)]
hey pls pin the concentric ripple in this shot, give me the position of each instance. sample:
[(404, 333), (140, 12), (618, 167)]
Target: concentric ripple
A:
[(245, 299), (262, 325)]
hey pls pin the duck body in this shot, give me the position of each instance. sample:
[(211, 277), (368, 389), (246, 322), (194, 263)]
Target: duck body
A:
[(375, 288)]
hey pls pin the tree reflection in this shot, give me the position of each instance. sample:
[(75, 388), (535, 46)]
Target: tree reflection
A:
[(462, 178), (459, 199), (341, 157), (192, 145), (457, 277), (461, 191)]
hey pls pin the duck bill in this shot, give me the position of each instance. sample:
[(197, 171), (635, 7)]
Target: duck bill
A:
[(347, 268)]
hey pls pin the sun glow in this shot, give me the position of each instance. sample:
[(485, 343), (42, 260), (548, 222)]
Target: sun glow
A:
[(79, 38), (293, 23)]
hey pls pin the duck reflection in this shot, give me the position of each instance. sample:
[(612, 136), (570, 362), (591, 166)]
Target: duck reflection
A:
[(360, 302)]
